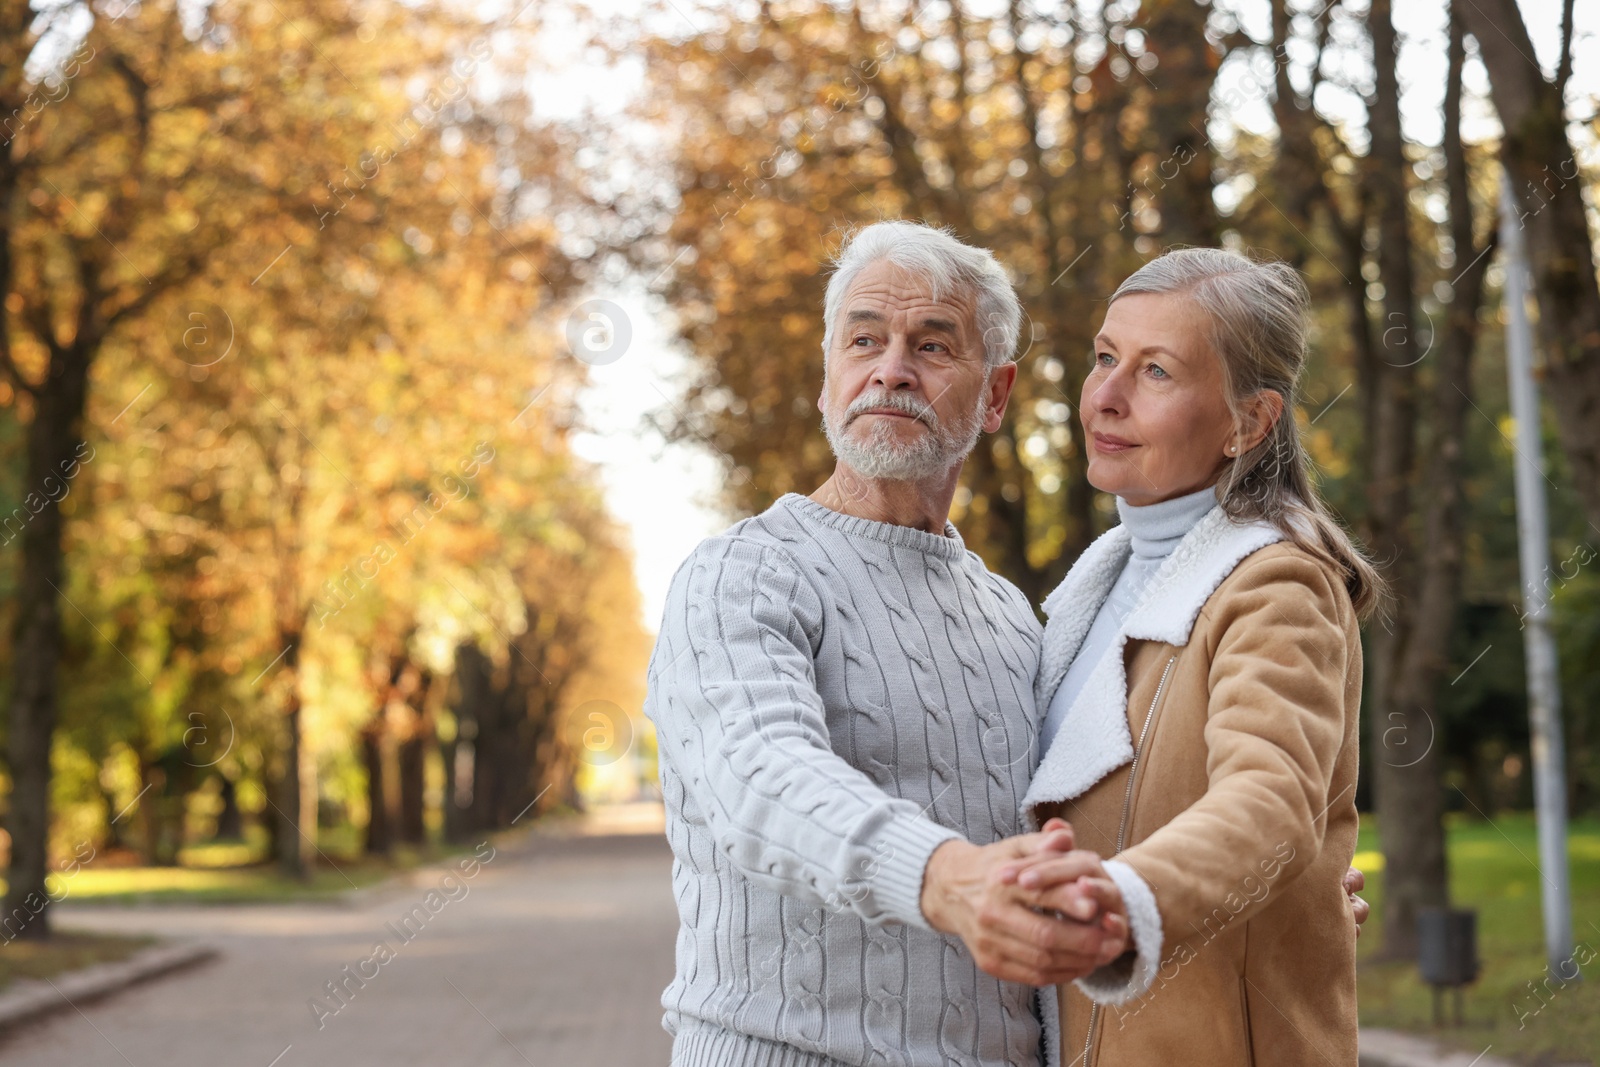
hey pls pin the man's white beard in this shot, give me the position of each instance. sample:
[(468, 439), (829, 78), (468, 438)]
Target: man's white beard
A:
[(882, 456)]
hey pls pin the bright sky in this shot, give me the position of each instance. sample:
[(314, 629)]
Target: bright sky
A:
[(661, 492)]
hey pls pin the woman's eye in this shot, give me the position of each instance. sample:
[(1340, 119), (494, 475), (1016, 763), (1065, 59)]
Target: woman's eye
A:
[(1104, 359), (1156, 371)]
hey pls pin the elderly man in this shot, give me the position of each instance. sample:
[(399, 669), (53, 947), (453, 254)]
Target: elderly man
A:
[(844, 700)]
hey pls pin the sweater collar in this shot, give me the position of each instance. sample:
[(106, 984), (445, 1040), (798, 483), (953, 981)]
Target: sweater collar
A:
[(947, 546), (1156, 529)]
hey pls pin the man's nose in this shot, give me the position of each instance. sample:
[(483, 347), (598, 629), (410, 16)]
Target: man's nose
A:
[(893, 369)]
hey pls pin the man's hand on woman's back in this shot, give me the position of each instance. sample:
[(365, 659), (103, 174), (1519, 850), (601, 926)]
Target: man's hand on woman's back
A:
[(1355, 882)]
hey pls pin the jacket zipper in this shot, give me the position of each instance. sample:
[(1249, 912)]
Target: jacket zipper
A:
[(1122, 830)]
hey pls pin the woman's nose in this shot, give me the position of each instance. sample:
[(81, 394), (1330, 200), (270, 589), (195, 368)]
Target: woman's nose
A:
[(1109, 394)]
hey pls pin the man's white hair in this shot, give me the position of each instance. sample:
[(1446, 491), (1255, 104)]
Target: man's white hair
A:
[(946, 264)]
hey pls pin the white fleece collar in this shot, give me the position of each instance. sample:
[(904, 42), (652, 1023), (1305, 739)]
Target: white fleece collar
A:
[(1094, 739)]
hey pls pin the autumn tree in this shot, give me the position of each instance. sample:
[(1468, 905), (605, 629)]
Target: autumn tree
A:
[(1038, 135), (1350, 219), (1076, 145), (93, 231), (1547, 183), (277, 191)]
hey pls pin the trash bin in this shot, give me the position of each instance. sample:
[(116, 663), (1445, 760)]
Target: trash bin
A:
[(1447, 953)]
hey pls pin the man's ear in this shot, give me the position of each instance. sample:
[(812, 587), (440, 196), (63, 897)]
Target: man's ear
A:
[(1257, 421), (1001, 381)]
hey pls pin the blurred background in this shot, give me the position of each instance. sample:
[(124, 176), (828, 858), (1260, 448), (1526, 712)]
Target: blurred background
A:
[(367, 368)]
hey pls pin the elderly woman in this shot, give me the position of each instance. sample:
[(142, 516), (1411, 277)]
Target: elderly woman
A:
[(1202, 667)]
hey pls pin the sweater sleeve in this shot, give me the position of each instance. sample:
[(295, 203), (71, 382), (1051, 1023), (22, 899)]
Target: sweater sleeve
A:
[(1275, 726), (739, 720)]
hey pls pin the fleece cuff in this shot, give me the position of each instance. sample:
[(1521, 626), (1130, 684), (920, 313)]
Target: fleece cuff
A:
[(1130, 975)]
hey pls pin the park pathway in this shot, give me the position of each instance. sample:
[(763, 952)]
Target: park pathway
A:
[(554, 956)]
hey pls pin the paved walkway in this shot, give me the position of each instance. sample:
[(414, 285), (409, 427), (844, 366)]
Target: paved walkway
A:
[(553, 955)]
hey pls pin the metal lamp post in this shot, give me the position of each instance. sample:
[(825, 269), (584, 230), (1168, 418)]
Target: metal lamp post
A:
[(1533, 541)]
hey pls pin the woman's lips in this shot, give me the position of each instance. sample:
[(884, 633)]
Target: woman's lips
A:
[(1104, 442)]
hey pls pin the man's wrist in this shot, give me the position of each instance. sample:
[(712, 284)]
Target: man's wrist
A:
[(937, 898)]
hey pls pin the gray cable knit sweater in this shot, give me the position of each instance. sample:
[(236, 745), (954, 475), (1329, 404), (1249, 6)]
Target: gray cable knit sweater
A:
[(834, 698)]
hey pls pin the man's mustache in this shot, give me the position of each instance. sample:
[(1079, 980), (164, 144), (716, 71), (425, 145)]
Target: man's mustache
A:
[(897, 402)]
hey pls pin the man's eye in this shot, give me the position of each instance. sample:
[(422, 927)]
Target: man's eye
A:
[(862, 341)]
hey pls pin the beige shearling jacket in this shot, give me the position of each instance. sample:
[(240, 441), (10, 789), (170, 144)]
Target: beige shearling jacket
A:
[(1213, 751)]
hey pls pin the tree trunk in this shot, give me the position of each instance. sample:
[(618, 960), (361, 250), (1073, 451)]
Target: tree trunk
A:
[(1549, 193), (148, 812), (230, 822), (511, 756), (268, 817), (449, 752), (1063, 330), (37, 637), (287, 804), (161, 810), (1297, 170), (477, 715), (1432, 609), (1407, 788), (413, 758), (1180, 181), (53, 440), (291, 840), (378, 838)]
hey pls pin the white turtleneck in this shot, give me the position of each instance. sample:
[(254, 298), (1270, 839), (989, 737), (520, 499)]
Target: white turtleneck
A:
[(1156, 530)]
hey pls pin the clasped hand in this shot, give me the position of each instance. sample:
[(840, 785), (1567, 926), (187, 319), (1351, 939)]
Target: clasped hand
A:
[(1030, 909)]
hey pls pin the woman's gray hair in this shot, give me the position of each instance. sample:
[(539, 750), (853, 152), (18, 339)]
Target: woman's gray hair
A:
[(947, 265), (1256, 314)]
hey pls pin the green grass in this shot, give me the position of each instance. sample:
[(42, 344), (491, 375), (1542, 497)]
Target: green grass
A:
[(1492, 869), (229, 873), (260, 883), (62, 953)]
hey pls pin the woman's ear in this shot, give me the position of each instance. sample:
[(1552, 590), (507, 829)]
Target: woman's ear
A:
[(1257, 420)]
